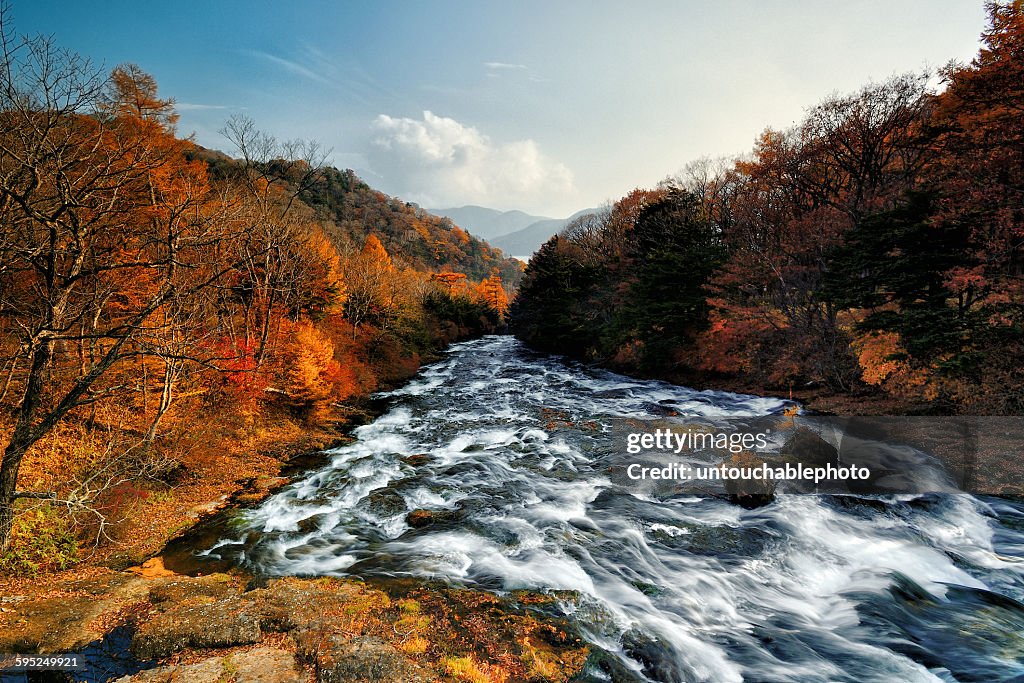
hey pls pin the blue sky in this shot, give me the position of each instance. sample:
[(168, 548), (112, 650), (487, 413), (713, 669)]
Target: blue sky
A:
[(547, 107)]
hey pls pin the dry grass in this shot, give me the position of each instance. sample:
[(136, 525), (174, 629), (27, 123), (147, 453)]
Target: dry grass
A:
[(470, 670)]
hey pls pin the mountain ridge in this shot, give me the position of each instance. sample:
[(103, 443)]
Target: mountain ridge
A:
[(524, 237), (487, 223), (522, 243)]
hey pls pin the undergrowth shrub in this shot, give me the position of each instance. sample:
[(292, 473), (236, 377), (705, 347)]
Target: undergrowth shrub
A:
[(41, 540)]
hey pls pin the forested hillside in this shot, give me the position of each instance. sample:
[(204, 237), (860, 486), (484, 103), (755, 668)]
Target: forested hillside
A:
[(174, 321), (874, 248), (425, 241)]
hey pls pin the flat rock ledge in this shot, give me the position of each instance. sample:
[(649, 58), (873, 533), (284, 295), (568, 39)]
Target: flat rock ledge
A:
[(258, 665), (212, 629)]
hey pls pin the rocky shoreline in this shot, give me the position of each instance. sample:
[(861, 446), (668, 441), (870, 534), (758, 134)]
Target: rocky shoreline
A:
[(223, 627)]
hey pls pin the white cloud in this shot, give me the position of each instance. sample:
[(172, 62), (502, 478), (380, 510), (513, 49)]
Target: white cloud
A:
[(438, 161), (289, 65), (503, 65), (192, 106)]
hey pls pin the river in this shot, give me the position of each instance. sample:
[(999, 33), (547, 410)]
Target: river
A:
[(513, 451)]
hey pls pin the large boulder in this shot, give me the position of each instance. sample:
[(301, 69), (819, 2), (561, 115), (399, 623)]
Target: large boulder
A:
[(420, 518), (748, 493), (386, 502), (198, 624), (288, 604), (362, 659), (807, 447)]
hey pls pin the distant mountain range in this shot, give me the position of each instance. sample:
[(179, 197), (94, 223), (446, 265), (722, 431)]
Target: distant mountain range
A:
[(516, 233), (488, 223)]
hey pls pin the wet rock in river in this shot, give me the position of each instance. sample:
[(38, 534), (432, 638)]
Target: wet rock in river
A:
[(420, 518), (417, 460), (653, 655), (807, 447), (748, 492), (386, 502), (724, 541), (312, 524)]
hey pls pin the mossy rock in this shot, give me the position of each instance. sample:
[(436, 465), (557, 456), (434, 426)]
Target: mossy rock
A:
[(225, 623), (362, 659), (214, 586)]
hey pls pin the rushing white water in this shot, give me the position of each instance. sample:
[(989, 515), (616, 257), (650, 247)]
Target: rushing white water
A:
[(514, 454)]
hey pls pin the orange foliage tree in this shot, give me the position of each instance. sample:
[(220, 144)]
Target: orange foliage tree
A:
[(492, 293), (313, 377), (372, 288), (105, 224), (455, 283)]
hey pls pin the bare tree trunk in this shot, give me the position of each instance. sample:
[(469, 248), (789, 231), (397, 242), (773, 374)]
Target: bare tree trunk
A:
[(171, 368), (145, 383), (10, 376), (21, 439), (261, 353)]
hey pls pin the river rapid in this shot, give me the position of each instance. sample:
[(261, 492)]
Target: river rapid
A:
[(513, 454)]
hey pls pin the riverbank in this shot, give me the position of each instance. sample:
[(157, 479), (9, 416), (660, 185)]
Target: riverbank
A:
[(859, 400), (225, 458), (817, 399)]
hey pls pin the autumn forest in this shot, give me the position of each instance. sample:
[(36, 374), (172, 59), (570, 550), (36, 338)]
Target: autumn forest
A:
[(872, 250)]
